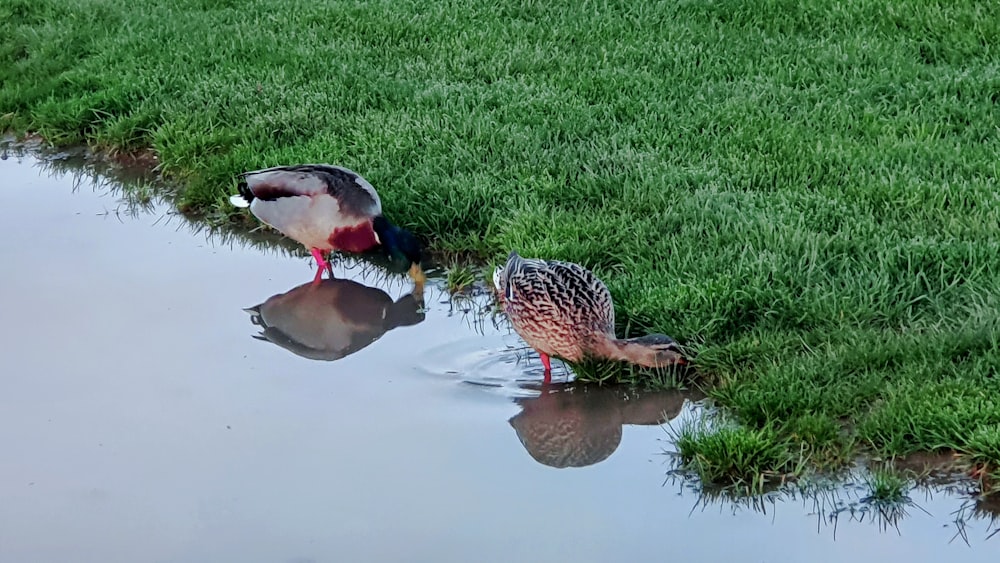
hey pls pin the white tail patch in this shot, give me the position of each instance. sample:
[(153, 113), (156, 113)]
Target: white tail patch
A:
[(238, 201)]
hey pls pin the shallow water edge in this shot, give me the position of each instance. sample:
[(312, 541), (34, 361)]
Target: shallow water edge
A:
[(215, 340)]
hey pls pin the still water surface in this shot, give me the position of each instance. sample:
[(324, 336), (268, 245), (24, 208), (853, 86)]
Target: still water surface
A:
[(170, 395)]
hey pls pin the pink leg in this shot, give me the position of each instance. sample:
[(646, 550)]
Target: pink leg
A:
[(548, 366), (321, 261)]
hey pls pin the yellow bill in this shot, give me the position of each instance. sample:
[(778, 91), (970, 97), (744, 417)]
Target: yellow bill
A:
[(418, 277)]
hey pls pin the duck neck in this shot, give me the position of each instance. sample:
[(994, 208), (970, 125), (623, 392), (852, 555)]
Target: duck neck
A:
[(631, 351)]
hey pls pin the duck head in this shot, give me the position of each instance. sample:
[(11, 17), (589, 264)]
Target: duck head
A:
[(399, 244), (652, 350)]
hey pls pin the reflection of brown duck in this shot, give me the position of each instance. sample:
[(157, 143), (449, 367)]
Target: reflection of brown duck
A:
[(333, 318), (580, 425)]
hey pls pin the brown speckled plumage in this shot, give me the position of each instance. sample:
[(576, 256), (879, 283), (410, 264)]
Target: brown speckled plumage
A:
[(557, 307), (562, 309)]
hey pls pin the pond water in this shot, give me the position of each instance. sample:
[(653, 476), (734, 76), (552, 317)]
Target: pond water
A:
[(175, 395)]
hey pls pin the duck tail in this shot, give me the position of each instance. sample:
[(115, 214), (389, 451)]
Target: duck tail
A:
[(244, 197)]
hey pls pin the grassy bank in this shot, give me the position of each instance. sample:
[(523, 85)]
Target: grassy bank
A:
[(805, 191)]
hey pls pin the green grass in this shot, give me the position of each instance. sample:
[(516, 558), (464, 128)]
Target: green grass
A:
[(740, 458), (802, 191), (459, 278), (886, 487), (612, 372)]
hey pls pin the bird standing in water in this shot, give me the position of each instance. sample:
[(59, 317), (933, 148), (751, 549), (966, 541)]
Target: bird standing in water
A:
[(326, 208), (561, 309)]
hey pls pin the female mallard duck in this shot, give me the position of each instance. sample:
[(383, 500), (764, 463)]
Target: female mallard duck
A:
[(561, 309), (325, 208)]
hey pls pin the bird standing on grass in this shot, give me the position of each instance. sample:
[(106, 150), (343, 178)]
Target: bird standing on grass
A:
[(326, 208), (561, 309)]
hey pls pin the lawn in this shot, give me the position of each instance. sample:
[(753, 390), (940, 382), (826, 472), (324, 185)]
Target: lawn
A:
[(804, 191)]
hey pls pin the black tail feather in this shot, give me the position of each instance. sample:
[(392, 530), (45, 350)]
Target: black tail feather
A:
[(244, 190)]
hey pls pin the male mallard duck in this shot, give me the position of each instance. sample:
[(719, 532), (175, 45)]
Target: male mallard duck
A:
[(561, 309), (326, 208)]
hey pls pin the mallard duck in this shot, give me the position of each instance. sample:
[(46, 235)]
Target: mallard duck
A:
[(325, 208), (561, 309), (333, 318)]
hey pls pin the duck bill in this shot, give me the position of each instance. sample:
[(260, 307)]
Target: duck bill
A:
[(417, 273)]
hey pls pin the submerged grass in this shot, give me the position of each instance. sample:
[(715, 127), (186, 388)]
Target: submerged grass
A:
[(803, 191), (886, 486)]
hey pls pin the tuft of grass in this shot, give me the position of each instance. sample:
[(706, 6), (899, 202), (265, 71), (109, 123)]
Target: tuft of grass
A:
[(886, 486), (735, 456), (460, 277), (983, 445), (805, 192)]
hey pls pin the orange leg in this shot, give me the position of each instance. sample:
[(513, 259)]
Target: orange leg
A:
[(548, 366)]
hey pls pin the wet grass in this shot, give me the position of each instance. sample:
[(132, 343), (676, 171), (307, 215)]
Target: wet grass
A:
[(743, 459), (833, 502), (802, 192), (882, 495), (606, 372), (886, 486), (460, 277)]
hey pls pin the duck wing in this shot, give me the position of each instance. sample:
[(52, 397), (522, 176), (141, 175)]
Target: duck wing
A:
[(354, 194), (570, 289)]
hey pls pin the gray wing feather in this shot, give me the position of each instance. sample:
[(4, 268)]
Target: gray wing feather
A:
[(355, 194)]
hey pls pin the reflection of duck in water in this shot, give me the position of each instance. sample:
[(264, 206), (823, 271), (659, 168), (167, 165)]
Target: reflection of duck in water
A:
[(576, 426), (332, 318)]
